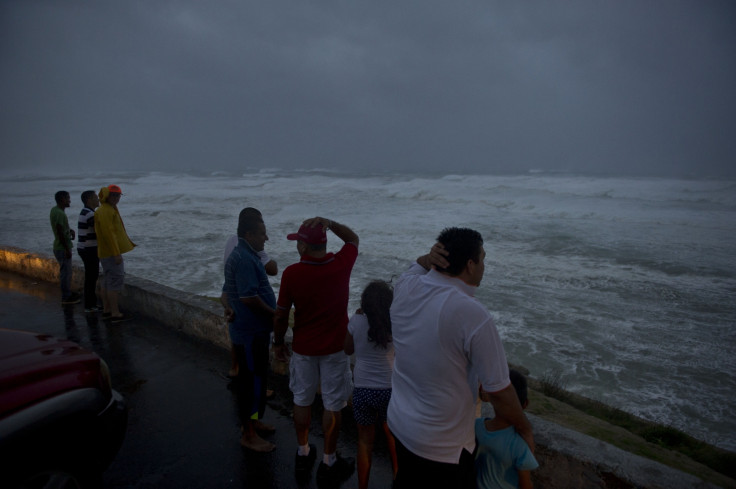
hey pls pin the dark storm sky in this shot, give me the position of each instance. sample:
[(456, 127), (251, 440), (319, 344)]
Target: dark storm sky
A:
[(633, 87)]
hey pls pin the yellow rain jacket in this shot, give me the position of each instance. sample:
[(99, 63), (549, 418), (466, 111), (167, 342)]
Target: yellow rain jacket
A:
[(112, 240)]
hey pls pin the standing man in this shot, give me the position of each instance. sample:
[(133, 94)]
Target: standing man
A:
[(63, 237), (270, 266), (112, 242), (250, 303), (318, 288), (87, 248), (446, 345)]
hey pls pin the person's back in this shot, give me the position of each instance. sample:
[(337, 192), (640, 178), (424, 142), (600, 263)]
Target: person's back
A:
[(369, 338), (448, 352), (503, 459), (374, 363), (319, 289), (428, 373)]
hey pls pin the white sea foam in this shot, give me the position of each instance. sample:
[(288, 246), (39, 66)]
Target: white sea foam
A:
[(625, 286)]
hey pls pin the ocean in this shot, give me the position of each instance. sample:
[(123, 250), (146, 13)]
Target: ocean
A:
[(624, 287)]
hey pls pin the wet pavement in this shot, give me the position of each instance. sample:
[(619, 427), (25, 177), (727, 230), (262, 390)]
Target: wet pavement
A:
[(183, 429)]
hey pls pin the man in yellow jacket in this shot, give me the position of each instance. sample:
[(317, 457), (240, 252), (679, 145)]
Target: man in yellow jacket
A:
[(112, 242)]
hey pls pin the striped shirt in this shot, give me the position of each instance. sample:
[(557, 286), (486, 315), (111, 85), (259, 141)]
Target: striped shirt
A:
[(86, 237)]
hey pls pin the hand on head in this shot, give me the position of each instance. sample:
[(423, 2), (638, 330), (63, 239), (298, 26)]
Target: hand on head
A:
[(317, 221), (437, 256)]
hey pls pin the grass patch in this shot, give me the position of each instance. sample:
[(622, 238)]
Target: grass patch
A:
[(671, 438), (722, 461), (552, 385)]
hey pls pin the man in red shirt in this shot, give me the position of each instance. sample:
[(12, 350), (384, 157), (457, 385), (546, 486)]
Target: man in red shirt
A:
[(318, 288)]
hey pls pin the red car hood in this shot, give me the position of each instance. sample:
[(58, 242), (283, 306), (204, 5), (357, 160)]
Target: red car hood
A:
[(34, 367)]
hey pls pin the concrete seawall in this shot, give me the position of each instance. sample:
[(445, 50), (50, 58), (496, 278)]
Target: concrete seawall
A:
[(567, 459), (191, 314)]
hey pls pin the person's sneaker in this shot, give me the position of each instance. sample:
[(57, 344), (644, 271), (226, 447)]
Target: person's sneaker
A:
[(73, 298), (303, 463), (338, 472), (92, 310)]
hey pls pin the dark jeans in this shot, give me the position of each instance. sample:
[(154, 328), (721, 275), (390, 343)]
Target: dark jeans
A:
[(65, 273), (250, 383), (91, 272), (415, 471)]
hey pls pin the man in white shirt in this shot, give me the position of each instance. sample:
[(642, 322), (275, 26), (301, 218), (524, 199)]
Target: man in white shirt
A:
[(447, 346)]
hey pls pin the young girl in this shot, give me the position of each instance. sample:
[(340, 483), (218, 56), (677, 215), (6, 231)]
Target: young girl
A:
[(369, 337)]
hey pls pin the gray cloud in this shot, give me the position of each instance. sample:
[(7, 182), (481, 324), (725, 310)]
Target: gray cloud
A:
[(603, 87)]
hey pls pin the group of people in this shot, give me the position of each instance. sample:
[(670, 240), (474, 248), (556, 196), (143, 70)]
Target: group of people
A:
[(101, 238), (425, 351)]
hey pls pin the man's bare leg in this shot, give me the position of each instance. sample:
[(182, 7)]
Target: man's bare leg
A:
[(331, 421), (105, 301), (302, 420), (112, 301), (233, 362)]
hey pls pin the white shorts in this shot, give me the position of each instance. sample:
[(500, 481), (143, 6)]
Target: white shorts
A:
[(331, 372)]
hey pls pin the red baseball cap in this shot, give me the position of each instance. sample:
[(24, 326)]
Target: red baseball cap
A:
[(114, 189), (309, 235)]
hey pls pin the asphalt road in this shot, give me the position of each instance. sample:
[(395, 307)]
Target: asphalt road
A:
[(183, 430)]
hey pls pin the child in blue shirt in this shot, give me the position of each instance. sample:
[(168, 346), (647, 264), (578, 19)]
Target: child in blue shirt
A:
[(503, 459)]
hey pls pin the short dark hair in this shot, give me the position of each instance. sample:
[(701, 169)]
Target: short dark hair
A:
[(249, 212), (86, 195), (519, 382), (248, 221), (60, 195), (461, 244), (315, 246)]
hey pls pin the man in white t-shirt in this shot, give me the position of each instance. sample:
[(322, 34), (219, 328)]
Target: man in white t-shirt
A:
[(446, 347)]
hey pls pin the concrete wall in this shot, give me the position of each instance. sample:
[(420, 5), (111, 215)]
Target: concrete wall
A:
[(568, 460), (192, 314)]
